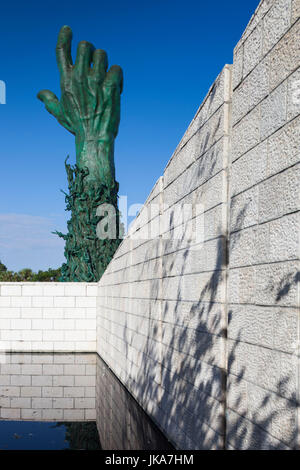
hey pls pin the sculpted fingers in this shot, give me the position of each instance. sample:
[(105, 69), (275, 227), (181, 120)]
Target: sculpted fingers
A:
[(100, 64), (114, 78), (52, 105), (63, 50), (51, 102), (83, 59)]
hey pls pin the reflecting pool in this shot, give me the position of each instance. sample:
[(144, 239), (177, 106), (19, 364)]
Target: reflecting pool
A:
[(69, 401)]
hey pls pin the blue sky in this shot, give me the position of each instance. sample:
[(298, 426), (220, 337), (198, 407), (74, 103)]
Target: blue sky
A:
[(170, 51)]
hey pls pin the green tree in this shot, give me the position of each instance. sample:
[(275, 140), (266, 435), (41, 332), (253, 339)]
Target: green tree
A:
[(3, 268), (27, 275)]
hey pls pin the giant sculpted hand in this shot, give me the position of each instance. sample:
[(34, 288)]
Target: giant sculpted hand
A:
[(89, 106)]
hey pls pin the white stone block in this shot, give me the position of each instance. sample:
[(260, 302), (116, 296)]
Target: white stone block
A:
[(5, 302), (10, 369), (86, 346), (284, 57), (53, 369), (276, 22), (64, 359), (92, 291), (85, 325), (75, 289), (63, 403), (32, 290), (246, 134), (90, 392), (85, 403), (30, 335), (63, 381), (72, 313), (90, 414), (85, 381), (42, 358), (42, 380), (87, 302), (63, 324), (63, 346), (74, 369), (72, 392), (50, 290), (57, 312), (31, 415), (42, 403), (20, 402), (11, 414), (74, 415), (293, 95), (21, 301), (20, 380), (42, 324), (42, 301), (54, 335), (31, 369), (4, 323), (75, 335), (42, 346), (64, 302), (50, 414), (9, 391), (52, 392), (11, 290), (30, 312), (20, 324), (273, 111), (252, 50)]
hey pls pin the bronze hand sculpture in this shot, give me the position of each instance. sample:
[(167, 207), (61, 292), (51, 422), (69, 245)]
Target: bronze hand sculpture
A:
[(89, 108)]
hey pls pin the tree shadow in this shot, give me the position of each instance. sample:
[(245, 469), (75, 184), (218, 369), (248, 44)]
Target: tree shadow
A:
[(190, 380)]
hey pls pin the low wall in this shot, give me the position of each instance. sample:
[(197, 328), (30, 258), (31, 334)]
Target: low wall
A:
[(198, 312), (48, 316)]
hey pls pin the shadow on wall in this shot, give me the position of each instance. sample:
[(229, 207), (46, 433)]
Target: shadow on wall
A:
[(187, 394)]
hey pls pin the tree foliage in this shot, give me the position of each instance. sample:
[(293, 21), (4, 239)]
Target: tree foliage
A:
[(27, 275)]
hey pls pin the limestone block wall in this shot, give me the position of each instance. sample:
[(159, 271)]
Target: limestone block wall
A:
[(198, 312), (263, 308), (162, 300), (48, 316)]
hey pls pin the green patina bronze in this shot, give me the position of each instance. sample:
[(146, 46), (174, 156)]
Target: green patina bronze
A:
[(89, 108)]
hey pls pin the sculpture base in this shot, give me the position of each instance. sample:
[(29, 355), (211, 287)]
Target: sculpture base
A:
[(87, 255)]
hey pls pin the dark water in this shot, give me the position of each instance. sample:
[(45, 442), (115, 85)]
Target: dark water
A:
[(36, 435), (70, 401)]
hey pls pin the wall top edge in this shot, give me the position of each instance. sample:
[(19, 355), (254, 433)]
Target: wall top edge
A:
[(156, 189), (262, 9), (225, 68), (47, 283)]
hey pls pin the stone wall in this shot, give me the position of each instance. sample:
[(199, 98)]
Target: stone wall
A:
[(162, 300), (198, 311), (48, 316), (263, 310)]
